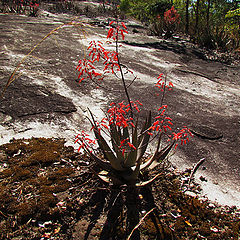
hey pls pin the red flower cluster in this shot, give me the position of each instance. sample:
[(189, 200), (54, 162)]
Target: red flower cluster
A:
[(84, 141), (162, 122), (161, 84), (125, 144), (33, 4), (114, 32), (118, 114), (182, 135), (85, 67), (97, 52), (24, 6), (171, 16)]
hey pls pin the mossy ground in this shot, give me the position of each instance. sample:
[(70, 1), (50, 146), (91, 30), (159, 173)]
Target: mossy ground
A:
[(46, 190)]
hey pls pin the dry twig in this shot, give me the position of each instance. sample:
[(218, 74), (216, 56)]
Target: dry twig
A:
[(195, 168), (140, 222)]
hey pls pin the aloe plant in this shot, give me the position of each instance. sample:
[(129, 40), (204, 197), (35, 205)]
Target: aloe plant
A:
[(122, 140), (124, 153), (122, 165)]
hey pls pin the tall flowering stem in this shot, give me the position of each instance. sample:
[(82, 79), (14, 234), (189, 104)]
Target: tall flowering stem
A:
[(110, 59), (121, 72)]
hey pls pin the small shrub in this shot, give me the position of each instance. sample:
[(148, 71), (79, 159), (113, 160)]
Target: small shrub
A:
[(233, 27), (171, 22)]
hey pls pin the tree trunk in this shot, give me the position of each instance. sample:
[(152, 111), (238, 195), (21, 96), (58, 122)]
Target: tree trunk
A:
[(187, 17), (197, 16), (208, 15)]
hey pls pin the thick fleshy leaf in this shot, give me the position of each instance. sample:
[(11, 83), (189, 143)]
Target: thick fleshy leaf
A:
[(125, 133), (107, 151), (109, 177), (114, 134), (115, 139), (154, 160), (143, 184), (161, 155), (136, 170), (157, 157), (104, 165), (147, 163), (103, 175), (144, 140), (147, 122), (132, 155), (151, 159)]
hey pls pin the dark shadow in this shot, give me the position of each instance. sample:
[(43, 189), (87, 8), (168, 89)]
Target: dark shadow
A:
[(132, 205), (163, 45), (97, 199), (113, 227), (119, 225), (150, 204), (170, 46), (116, 204), (162, 232)]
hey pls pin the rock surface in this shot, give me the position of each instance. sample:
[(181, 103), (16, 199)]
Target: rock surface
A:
[(47, 101)]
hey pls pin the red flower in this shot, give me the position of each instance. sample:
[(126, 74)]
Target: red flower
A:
[(131, 145), (124, 25), (110, 33)]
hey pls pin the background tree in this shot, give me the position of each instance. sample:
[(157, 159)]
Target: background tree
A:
[(208, 14), (197, 17), (206, 21), (187, 17)]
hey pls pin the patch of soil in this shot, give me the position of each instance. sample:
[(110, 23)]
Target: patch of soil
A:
[(48, 191)]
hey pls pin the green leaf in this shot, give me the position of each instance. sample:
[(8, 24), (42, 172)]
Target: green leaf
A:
[(132, 155), (136, 171), (161, 155), (107, 151), (104, 165), (125, 133), (143, 184), (104, 175), (115, 139), (144, 139), (157, 157)]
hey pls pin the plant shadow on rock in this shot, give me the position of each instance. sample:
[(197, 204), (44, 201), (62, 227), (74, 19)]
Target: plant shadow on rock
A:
[(167, 213), (122, 207)]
